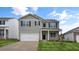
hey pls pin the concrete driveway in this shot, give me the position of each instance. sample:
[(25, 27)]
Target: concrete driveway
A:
[(21, 46)]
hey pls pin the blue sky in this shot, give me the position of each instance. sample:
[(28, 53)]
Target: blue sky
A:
[(67, 16)]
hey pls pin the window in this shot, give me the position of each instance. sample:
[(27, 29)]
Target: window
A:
[(56, 25), (52, 25), (44, 24), (49, 25), (1, 32), (2, 22), (35, 23), (29, 23), (25, 23), (22, 23), (39, 23), (52, 34)]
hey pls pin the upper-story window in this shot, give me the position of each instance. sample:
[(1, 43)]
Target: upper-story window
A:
[(37, 23), (29, 23), (2, 22), (52, 25), (22, 23), (44, 24), (25, 23), (56, 25)]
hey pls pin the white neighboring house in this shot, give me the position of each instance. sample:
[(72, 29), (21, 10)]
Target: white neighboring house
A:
[(72, 35), (9, 28), (35, 28)]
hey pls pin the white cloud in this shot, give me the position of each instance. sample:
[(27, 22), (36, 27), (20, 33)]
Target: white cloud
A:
[(23, 10), (62, 22), (53, 13), (67, 27), (77, 16), (62, 16), (20, 11), (35, 8)]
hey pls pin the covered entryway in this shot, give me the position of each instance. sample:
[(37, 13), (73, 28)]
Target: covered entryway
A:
[(44, 35), (29, 37), (3, 33), (49, 35)]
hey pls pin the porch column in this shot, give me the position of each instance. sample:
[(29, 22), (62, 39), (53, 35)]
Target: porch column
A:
[(40, 35), (5, 34), (48, 34)]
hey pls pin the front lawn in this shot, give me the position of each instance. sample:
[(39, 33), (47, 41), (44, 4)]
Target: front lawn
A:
[(4, 42), (57, 46)]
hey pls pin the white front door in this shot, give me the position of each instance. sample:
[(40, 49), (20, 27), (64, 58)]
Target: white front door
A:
[(77, 38), (29, 37)]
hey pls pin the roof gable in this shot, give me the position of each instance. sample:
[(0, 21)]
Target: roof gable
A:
[(73, 30), (31, 16)]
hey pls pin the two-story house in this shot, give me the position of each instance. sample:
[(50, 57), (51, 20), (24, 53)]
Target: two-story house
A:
[(35, 28), (8, 28)]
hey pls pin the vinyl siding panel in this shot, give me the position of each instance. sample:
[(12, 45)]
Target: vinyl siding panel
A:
[(69, 36)]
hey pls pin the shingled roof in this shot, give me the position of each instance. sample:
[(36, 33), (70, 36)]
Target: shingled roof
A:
[(5, 18), (40, 18), (72, 30)]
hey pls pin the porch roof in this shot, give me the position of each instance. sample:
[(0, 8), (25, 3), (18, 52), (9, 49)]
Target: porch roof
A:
[(3, 26), (55, 29)]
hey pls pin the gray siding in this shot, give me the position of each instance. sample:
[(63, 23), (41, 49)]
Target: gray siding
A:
[(32, 28), (69, 36)]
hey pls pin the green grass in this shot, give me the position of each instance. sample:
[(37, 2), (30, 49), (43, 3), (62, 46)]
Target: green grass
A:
[(57, 46), (4, 42)]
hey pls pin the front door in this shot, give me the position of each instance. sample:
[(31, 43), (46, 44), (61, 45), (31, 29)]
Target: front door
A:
[(44, 37)]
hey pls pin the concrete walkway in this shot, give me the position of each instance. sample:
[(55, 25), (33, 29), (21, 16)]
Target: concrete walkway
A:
[(21, 46)]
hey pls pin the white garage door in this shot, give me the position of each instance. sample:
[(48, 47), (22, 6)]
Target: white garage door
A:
[(30, 37), (77, 38)]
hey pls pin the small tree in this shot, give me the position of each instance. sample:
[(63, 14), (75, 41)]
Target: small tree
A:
[(61, 37)]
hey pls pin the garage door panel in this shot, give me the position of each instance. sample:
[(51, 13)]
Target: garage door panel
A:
[(30, 37), (77, 38)]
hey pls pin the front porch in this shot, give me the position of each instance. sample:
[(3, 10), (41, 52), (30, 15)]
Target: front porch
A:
[(49, 35), (3, 33)]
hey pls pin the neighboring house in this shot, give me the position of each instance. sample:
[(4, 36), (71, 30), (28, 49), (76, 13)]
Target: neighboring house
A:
[(8, 28), (72, 35), (35, 28)]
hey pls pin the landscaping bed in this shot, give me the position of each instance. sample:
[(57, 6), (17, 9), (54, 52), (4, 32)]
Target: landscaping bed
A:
[(57, 46)]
